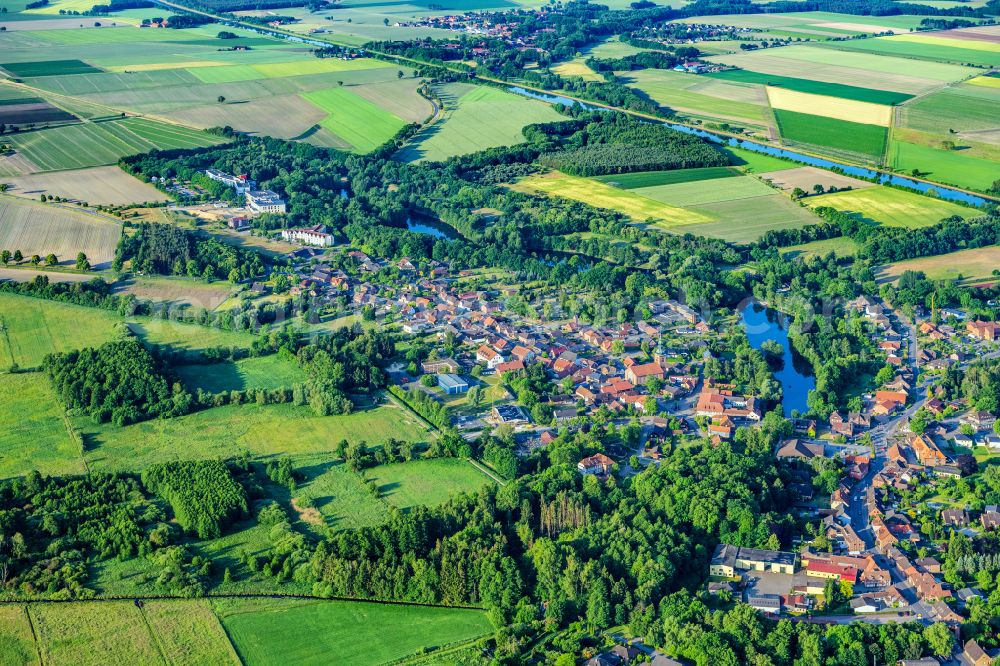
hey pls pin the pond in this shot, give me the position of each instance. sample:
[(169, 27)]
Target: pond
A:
[(795, 375), (849, 169), (435, 228)]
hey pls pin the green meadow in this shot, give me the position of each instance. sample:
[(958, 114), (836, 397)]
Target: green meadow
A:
[(868, 140)]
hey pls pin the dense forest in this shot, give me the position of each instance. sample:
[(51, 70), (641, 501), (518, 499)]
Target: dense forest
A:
[(169, 250)]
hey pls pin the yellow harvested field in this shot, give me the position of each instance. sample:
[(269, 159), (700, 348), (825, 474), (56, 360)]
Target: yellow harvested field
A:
[(40, 229), (831, 107), (155, 66), (107, 185), (599, 195), (858, 27), (577, 68), (985, 81), (970, 265), (806, 177), (976, 44)]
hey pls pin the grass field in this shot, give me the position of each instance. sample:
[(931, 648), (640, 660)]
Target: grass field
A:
[(891, 207), (185, 337), (476, 118), (630, 181), (35, 327), (956, 108), (48, 68), (968, 265), (700, 192), (701, 95), (426, 482), (753, 162), (814, 87), (945, 166), (600, 195), (317, 66), (106, 185), (577, 68), (829, 107), (816, 130), (34, 435), (358, 121), (35, 228), (842, 247), (278, 632), (188, 632), (93, 634), (746, 220), (340, 496), (228, 431), (17, 642), (266, 372), (175, 290)]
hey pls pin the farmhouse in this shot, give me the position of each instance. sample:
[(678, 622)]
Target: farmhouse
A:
[(265, 201), (452, 384), (308, 236)]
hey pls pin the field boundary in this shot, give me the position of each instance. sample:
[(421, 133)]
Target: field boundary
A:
[(34, 635), (486, 470), (152, 634)]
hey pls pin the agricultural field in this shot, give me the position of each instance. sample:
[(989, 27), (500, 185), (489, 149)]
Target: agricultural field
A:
[(17, 642), (35, 327), (577, 67), (106, 185), (273, 631), (930, 47), (34, 436), (892, 207), (630, 181), (174, 291), (265, 372), (188, 632), (180, 336), (815, 25), (969, 266), (735, 208), (951, 167), (475, 118), (807, 177), (426, 482), (361, 123), (871, 95), (865, 140), (35, 228), (830, 107), (230, 430), (702, 96)]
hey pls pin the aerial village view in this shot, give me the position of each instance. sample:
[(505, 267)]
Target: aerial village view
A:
[(500, 332)]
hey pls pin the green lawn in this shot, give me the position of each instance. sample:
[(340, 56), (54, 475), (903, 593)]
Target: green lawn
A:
[(753, 162), (831, 133), (815, 87), (34, 436), (892, 207), (187, 337), (426, 482), (477, 118), (279, 632), (265, 372), (233, 429), (34, 327), (356, 120)]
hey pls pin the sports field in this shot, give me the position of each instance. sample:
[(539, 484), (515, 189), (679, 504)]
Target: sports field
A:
[(228, 431), (892, 207), (426, 482), (364, 125), (968, 265), (265, 372), (863, 139), (277, 632), (34, 436), (476, 118), (106, 185), (36, 228), (34, 327)]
